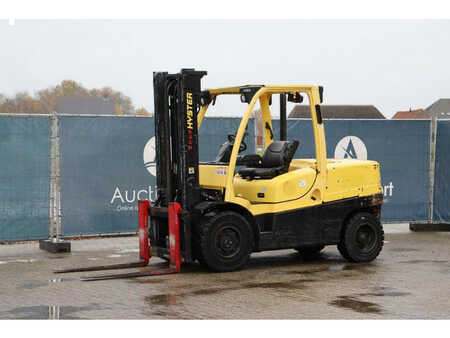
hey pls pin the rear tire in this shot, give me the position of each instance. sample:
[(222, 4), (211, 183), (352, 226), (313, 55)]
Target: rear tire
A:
[(310, 250), (362, 238), (226, 241)]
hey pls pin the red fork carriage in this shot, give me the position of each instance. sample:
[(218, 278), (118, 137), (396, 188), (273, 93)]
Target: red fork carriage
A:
[(172, 213)]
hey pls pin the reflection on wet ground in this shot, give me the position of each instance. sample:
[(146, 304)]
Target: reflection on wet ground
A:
[(47, 312), (422, 261), (404, 249), (408, 280), (173, 298), (9, 261), (36, 284), (353, 302)]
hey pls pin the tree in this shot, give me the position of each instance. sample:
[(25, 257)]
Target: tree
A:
[(45, 100), (123, 101), (144, 112), (2, 100)]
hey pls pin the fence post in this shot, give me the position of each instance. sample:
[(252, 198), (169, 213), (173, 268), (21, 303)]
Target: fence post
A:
[(54, 228), (55, 243), (432, 164), (431, 225)]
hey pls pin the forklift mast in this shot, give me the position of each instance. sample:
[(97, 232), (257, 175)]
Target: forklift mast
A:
[(177, 102)]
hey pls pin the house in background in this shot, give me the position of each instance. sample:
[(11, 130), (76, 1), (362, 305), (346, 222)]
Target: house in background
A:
[(86, 105), (415, 114), (440, 109), (339, 112)]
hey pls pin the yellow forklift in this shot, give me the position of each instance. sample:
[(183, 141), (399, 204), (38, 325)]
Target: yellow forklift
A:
[(219, 212)]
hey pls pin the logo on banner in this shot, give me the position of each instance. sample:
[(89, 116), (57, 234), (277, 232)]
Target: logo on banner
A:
[(351, 147), (149, 156)]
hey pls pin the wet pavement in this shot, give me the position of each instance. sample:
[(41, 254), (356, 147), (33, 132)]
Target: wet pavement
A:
[(410, 279)]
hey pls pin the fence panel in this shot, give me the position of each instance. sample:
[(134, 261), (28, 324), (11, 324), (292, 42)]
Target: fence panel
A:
[(24, 177), (104, 171), (441, 198), (401, 147), (107, 164)]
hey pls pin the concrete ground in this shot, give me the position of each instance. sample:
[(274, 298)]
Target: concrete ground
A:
[(410, 279)]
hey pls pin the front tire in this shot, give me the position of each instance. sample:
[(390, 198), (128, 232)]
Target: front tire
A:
[(226, 241), (362, 238)]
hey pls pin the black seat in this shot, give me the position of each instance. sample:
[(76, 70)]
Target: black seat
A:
[(275, 161)]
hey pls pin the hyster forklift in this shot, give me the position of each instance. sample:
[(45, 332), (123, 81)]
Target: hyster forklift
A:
[(219, 212)]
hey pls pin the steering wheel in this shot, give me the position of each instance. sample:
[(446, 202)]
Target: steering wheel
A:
[(242, 146)]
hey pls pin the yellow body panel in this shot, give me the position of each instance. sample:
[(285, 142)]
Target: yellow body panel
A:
[(299, 188), (213, 176), (349, 178), (290, 186)]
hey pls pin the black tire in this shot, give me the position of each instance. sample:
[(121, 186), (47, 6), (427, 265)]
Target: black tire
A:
[(226, 241), (362, 238), (310, 250)]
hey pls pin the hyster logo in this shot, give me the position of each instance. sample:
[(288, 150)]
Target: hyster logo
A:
[(149, 156), (351, 147)]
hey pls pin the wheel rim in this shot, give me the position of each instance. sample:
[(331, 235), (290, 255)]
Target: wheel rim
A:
[(228, 241), (366, 238)]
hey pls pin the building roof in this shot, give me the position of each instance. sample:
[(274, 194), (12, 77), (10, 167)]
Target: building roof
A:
[(85, 105), (440, 109), (411, 114), (339, 112)]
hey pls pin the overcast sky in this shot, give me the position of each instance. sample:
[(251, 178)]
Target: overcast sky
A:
[(393, 65)]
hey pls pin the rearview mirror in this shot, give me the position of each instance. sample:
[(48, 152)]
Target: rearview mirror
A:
[(295, 97)]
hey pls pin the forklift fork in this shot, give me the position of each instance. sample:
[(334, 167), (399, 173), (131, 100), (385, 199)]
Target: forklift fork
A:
[(144, 210)]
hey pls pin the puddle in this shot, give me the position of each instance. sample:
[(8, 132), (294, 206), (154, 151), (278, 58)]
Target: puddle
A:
[(127, 250), (299, 272), (59, 280), (146, 281), (37, 284), (168, 314), (164, 299), (175, 298), (352, 303), (33, 285), (114, 256), (419, 261), (404, 249), (47, 312), (335, 267), (386, 294), (18, 261)]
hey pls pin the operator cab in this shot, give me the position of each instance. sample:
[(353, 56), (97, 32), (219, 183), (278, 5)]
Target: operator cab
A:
[(270, 174)]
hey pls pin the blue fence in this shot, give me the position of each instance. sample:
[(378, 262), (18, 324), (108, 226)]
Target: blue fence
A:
[(441, 198), (24, 177), (103, 173), (401, 147), (107, 164)]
